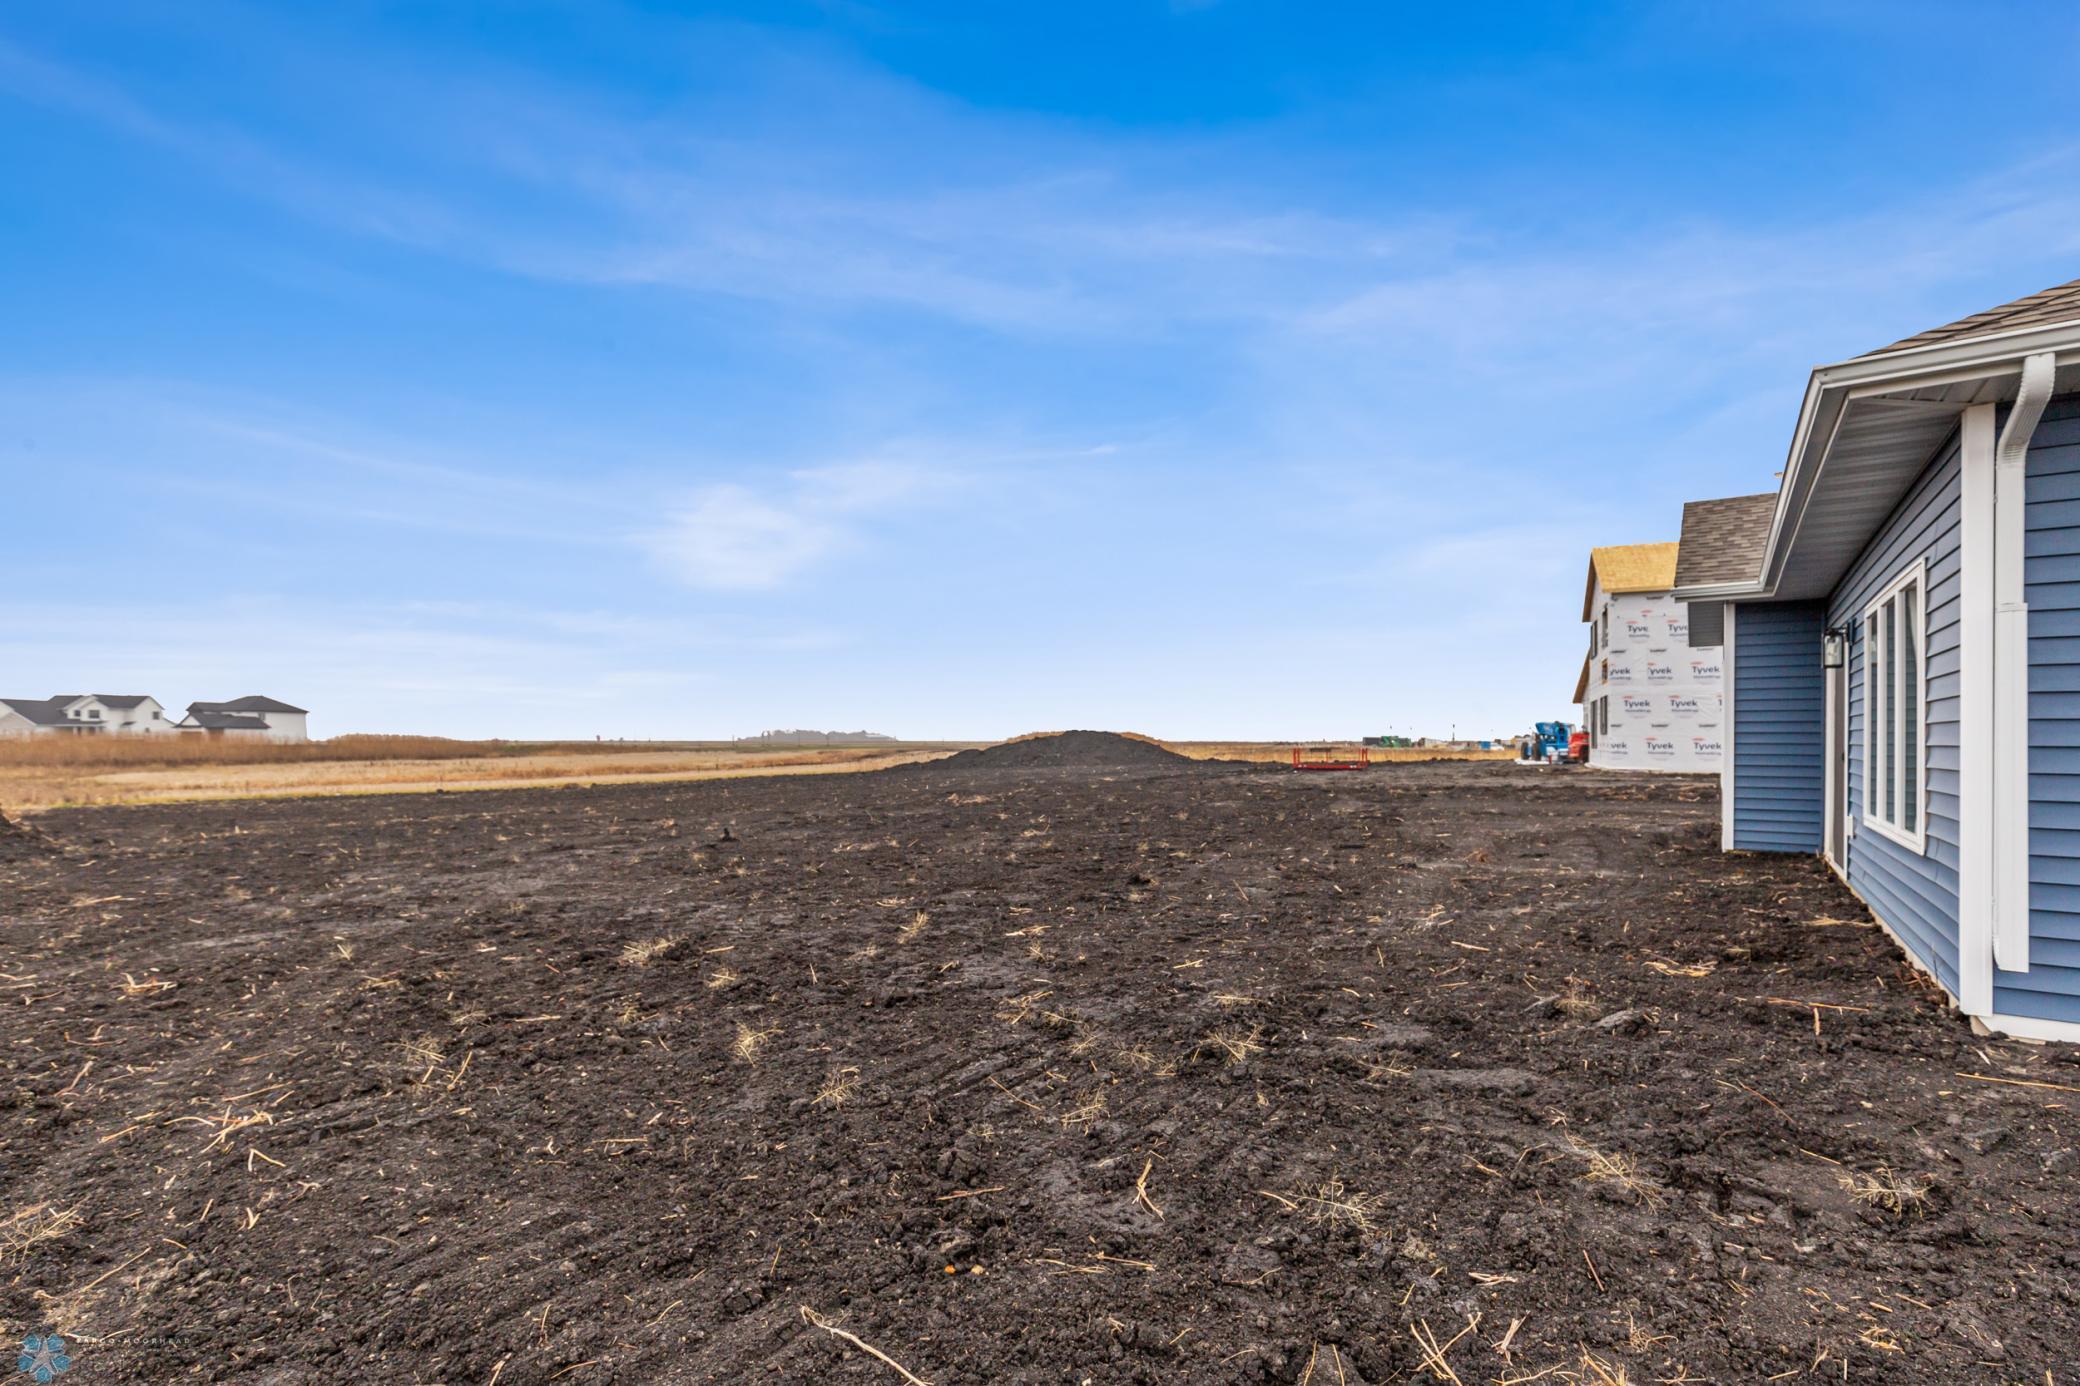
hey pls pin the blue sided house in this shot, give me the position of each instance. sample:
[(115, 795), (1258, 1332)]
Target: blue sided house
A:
[(1901, 651)]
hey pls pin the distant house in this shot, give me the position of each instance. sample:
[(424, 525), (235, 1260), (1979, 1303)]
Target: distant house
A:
[(250, 716), (1901, 632), (1650, 695), (83, 713)]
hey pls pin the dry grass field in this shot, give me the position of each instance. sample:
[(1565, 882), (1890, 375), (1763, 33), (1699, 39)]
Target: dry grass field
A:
[(68, 772), (53, 772)]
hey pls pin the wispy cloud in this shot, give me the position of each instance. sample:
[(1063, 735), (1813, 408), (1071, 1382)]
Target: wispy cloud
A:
[(1028, 228), (732, 537)]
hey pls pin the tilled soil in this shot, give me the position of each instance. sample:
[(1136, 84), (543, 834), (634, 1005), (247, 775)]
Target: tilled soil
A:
[(1020, 1075)]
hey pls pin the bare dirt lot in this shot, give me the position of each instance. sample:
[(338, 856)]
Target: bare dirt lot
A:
[(1014, 1073)]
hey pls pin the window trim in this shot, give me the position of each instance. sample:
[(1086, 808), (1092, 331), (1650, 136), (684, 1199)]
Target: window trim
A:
[(1914, 575)]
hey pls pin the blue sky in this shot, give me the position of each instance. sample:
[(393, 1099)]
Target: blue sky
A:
[(1212, 369)]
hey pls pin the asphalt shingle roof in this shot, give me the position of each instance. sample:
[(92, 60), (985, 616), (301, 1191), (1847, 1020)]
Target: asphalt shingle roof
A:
[(1723, 539), (227, 721), (252, 702), (44, 712), (2060, 303)]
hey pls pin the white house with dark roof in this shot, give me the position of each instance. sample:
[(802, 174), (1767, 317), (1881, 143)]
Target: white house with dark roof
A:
[(251, 716), (88, 713)]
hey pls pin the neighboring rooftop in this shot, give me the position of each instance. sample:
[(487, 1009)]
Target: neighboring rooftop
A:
[(1635, 567), (1723, 539), (252, 702), (228, 721), (44, 712), (121, 700), (1630, 568), (2060, 303)]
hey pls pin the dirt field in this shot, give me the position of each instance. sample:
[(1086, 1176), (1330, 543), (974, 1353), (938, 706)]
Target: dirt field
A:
[(1173, 1073)]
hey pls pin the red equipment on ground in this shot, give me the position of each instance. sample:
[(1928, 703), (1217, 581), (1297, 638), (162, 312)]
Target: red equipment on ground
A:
[(1578, 748), (1330, 758)]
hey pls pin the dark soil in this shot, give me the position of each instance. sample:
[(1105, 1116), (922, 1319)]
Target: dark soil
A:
[(408, 1089), (1072, 750), (21, 841)]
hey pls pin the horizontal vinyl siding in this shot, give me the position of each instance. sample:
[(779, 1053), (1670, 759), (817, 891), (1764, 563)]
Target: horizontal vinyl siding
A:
[(1778, 727), (1915, 893), (2050, 990)]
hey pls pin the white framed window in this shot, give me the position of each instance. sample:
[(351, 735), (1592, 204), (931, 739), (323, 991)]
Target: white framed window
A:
[(1895, 700)]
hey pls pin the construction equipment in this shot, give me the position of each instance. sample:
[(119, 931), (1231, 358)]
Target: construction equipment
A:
[(1555, 741), (1390, 743), (1330, 758)]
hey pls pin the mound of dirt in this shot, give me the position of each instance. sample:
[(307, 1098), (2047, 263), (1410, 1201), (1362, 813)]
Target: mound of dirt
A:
[(1071, 750), (20, 842)]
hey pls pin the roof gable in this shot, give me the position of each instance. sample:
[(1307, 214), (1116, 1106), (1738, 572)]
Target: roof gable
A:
[(252, 702), (44, 712), (1620, 568), (1870, 424)]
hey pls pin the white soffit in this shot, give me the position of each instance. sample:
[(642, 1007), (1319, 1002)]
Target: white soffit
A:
[(1883, 437)]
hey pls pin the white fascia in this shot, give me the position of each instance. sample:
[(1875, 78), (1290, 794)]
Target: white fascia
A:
[(1831, 388)]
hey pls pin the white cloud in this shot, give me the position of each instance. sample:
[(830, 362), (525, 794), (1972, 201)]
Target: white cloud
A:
[(729, 537)]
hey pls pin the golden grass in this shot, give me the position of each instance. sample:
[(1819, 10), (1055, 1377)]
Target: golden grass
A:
[(33, 777), (1896, 1194), (34, 1225), (103, 752)]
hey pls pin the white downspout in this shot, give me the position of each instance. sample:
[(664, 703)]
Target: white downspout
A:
[(2011, 669), (1975, 756), (1726, 786)]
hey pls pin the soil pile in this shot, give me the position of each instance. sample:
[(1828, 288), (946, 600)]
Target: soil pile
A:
[(20, 842), (1071, 750)]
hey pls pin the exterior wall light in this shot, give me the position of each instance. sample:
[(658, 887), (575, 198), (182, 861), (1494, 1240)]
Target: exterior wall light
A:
[(1834, 648)]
